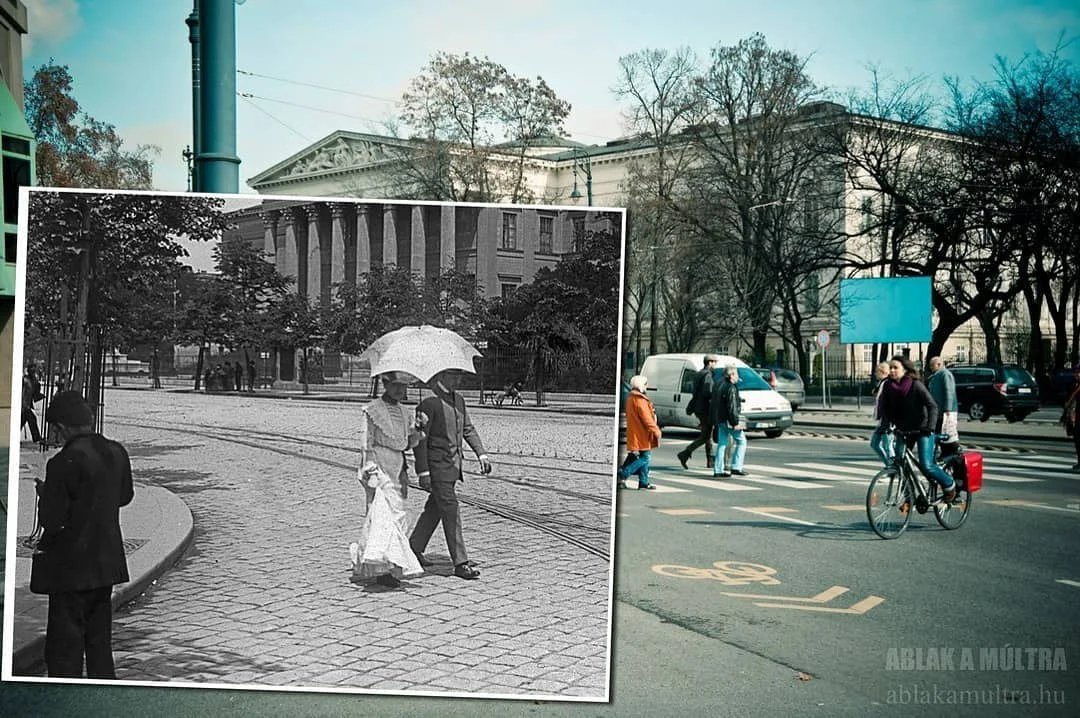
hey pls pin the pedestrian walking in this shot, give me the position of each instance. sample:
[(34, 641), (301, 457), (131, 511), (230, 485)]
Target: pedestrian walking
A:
[(238, 375), (438, 468), (907, 405), (251, 375), (642, 434), (699, 407), (1070, 416), (726, 405), (942, 386), (31, 392), (80, 555), (208, 378), (387, 431), (881, 440)]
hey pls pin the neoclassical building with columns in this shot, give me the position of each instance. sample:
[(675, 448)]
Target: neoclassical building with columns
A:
[(322, 244)]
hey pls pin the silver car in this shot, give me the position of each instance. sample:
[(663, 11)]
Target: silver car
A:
[(785, 382)]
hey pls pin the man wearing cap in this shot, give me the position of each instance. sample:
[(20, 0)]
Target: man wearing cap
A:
[(438, 466), (81, 554)]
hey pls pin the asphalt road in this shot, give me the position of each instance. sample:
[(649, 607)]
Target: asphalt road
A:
[(829, 620), (918, 620)]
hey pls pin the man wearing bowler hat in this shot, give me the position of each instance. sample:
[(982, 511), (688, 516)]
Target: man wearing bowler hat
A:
[(81, 554), (438, 466)]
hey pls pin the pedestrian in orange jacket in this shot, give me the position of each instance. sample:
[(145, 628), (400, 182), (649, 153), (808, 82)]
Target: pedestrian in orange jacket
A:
[(642, 434)]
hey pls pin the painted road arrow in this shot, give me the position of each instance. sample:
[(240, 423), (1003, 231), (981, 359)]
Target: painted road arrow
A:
[(798, 603)]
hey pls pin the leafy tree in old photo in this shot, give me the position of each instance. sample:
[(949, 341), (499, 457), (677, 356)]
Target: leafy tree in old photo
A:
[(95, 259)]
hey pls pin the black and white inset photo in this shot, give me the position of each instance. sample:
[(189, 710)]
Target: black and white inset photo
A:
[(303, 443)]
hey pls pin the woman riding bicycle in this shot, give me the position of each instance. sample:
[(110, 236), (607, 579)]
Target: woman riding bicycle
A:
[(908, 406)]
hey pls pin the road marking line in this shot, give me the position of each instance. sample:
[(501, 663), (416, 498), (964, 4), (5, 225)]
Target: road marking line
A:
[(775, 516), (663, 490), (856, 608), (836, 468), (685, 512), (844, 507), (786, 483), (823, 597), (718, 485), (1031, 505), (774, 509), (1067, 582), (801, 474)]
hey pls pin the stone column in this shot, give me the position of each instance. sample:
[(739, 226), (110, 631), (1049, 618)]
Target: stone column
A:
[(488, 237), (528, 240), (447, 234), (363, 243), (418, 243), (270, 222), (389, 237), (337, 245), (287, 259), (314, 256)]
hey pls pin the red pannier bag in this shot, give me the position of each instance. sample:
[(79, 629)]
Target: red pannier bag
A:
[(973, 470)]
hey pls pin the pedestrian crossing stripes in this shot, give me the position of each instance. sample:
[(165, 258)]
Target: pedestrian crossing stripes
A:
[(811, 475)]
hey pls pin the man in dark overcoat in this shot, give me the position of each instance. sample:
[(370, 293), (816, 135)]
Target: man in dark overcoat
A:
[(80, 555), (699, 407), (438, 466)]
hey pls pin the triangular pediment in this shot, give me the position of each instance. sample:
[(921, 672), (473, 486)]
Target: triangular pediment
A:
[(340, 151)]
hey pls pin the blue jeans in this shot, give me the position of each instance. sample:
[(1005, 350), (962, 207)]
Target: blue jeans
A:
[(924, 452), (723, 433), (881, 442), (639, 466)]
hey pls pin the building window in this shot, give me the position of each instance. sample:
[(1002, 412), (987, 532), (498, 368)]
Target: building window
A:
[(509, 231), (547, 243), (813, 294), (508, 289), (16, 173), (579, 234)]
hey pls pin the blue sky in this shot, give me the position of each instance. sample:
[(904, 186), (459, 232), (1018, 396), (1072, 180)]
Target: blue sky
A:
[(131, 61)]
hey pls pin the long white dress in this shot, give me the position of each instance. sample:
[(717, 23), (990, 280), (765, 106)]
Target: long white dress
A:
[(386, 433)]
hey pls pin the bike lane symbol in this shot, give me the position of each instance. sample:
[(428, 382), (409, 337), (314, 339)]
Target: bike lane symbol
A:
[(740, 573)]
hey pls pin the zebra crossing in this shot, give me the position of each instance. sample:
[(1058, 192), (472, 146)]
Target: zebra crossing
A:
[(1004, 468)]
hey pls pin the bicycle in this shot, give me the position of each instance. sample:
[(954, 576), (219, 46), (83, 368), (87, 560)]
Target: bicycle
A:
[(895, 490)]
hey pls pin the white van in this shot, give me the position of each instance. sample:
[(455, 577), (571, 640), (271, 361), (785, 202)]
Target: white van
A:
[(671, 385)]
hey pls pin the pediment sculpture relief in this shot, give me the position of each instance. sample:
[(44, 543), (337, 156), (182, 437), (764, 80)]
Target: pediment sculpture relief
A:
[(338, 155)]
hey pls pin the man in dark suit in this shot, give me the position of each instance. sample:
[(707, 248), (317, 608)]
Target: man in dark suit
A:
[(699, 407), (81, 554), (438, 466)]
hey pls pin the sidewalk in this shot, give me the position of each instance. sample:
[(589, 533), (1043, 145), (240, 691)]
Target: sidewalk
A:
[(157, 528)]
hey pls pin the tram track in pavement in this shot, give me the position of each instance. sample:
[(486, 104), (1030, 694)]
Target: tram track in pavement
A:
[(595, 540)]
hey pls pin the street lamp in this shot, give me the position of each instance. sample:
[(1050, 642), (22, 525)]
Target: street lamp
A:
[(585, 163)]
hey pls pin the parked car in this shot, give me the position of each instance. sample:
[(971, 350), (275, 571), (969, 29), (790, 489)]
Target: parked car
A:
[(671, 385), (985, 390), (786, 382)]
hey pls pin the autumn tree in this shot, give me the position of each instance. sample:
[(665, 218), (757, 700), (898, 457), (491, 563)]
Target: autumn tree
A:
[(473, 124), (75, 149)]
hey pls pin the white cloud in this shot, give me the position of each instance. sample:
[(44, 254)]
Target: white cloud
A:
[(51, 22)]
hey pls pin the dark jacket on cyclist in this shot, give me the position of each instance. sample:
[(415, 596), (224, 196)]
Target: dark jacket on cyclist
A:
[(907, 405), (725, 405)]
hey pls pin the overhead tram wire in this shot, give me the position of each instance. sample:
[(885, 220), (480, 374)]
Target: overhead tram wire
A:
[(250, 96), (295, 131), (319, 87), (327, 88)]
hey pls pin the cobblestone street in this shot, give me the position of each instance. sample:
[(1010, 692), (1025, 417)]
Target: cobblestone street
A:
[(264, 596)]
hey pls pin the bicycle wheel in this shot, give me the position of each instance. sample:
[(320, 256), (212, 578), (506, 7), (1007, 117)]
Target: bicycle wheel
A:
[(888, 505), (952, 516)]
